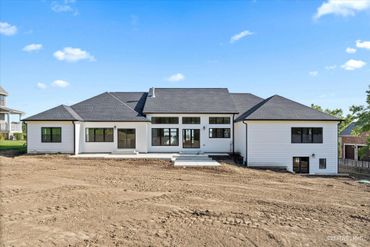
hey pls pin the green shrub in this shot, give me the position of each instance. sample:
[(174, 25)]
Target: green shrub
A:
[(2, 137), (18, 136)]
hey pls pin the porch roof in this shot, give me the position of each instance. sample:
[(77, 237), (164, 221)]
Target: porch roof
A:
[(4, 109)]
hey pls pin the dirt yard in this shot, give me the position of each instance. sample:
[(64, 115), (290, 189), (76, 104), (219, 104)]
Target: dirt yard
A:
[(59, 201)]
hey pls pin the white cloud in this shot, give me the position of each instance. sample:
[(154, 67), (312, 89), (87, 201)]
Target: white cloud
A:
[(341, 7), (331, 67), (7, 29), (314, 73), (70, 54), (353, 64), (240, 35), (41, 85), (65, 6), (60, 83), (363, 44), (176, 77), (351, 50), (32, 47)]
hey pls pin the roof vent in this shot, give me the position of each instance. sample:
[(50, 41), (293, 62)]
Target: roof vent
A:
[(152, 92)]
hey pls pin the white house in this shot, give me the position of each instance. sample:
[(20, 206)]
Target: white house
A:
[(272, 132), (10, 123)]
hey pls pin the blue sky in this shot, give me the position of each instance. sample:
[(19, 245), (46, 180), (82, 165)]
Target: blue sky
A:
[(62, 52)]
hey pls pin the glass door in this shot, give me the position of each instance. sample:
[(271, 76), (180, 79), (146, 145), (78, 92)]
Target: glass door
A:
[(191, 138), (126, 138), (301, 164)]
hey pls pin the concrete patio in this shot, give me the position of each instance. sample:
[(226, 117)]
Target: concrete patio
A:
[(179, 159)]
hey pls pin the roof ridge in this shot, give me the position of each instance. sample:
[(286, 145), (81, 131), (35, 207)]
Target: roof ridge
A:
[(115, 97), (255, 108), (276, 95), (72, 112)]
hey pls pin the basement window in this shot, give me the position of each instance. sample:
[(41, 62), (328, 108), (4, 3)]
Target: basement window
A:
[(322, 163)]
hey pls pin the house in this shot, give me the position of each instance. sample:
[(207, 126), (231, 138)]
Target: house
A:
[(8, 127), (272, 132), (351, 143)]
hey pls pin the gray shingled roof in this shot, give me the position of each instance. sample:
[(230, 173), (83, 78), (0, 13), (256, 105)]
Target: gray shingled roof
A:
[(112, 107), (61, 113), (2, 91), (190, 100), (244, 102), (280, 108), (348, 130)]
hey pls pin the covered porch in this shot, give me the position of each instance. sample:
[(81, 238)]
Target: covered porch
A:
[(10, 120)]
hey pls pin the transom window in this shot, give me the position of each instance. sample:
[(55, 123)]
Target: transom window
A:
[(191, 120), (165, 137), (99, 134), (165, 120), (219, 120), (219, 133), (51, 134), (307, 135)]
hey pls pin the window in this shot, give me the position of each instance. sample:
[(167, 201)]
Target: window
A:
[(307, 135), (219, 120), (2, 100), (219, 133), (99, 134), (165, 120), (165, 137), (191, 120), (51, 134), (322, 163)]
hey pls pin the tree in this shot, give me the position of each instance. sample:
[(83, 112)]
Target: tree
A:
[(363, 123)]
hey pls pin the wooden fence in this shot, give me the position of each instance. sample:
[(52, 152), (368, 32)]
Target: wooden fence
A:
[(354, 163)]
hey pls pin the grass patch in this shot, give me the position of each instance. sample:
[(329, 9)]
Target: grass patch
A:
[(13, 145)]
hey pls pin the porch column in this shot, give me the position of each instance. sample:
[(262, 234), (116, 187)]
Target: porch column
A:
[(8, 120), (77, 137), (356, 152)]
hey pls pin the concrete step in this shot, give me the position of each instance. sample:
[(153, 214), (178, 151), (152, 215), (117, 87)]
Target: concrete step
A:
[(195, 163)]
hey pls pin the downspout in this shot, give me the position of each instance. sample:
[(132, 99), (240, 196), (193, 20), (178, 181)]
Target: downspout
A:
[(74, 137), (246, 143), (233, 136)]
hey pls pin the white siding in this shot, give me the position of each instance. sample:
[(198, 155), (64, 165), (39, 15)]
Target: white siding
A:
[(34, 144), (109, 147), (207, 144), (269, 144), (240, 142)]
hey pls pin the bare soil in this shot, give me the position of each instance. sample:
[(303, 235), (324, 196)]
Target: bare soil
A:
[(61, 201)]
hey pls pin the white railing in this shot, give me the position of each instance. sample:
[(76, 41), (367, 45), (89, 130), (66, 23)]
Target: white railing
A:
[(4, 126), (14, 127)]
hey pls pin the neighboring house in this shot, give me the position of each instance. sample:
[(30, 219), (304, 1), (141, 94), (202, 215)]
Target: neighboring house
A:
[(275, 132), (351, 143), (7, 126)]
